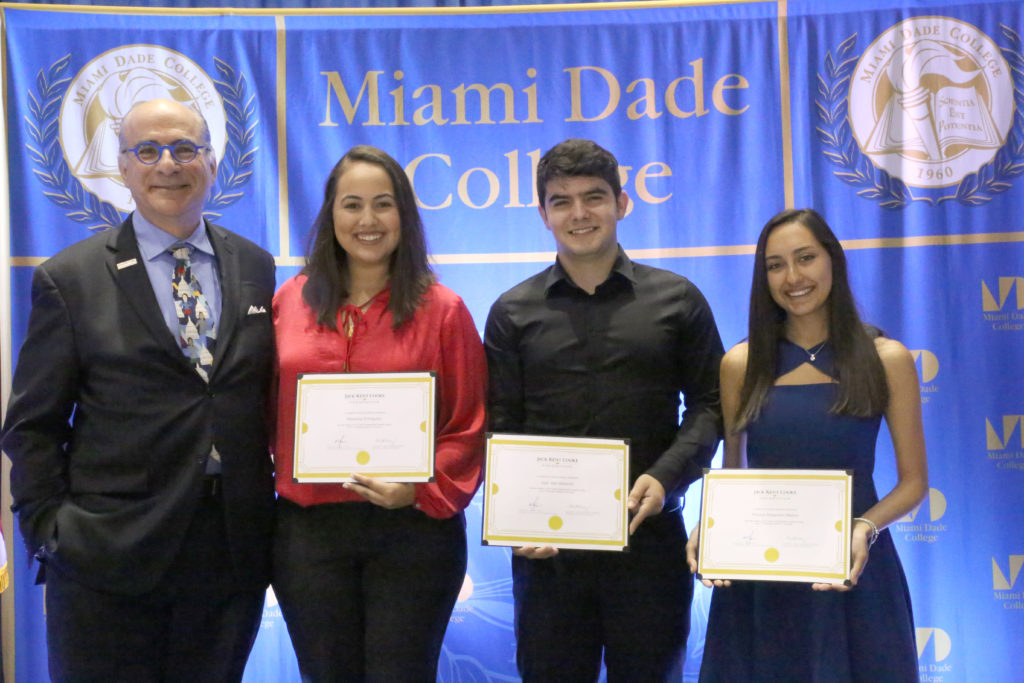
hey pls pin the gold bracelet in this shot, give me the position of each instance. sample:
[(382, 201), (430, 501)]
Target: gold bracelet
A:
[(873, 534)]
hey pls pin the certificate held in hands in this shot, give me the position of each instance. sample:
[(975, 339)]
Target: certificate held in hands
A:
[(776, 525), (558, 491), (376, 424)]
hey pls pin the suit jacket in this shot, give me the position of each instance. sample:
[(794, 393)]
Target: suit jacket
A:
[(108, 427)]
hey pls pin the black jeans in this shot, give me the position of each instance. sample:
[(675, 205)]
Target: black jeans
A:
[(366, 592), (634, 607)]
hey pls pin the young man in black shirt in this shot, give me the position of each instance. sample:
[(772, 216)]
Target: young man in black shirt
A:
[(596, 345)]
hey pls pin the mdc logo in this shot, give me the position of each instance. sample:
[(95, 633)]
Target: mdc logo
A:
[(936, 505), (927, 363), (1000, 582), (990, 304), (939, 640), (995, 442)]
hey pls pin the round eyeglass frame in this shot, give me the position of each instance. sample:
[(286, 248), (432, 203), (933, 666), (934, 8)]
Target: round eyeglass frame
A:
[(187, 144)]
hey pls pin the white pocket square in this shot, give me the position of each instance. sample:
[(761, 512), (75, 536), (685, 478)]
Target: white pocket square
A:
[(255, 310)]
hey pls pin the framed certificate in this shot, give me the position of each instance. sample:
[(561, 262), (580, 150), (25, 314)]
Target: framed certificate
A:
[(377, 424), (563, 492), (776, 525)]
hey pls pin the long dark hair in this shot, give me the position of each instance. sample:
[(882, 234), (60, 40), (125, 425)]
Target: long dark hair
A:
[(326, 267), (863, 391)]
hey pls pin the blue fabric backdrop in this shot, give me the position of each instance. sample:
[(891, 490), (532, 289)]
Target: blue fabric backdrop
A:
[(720, 115)]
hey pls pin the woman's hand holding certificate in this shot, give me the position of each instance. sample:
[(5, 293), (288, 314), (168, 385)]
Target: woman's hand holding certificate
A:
[(386, 494)]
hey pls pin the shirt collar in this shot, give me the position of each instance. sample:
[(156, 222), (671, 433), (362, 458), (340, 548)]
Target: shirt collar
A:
[(153, 241), (622, 267)]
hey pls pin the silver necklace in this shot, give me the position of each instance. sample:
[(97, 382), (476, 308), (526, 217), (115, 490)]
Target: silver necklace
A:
[(813, 353)]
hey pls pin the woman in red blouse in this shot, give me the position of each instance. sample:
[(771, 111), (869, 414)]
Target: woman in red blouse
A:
[(367, 572)]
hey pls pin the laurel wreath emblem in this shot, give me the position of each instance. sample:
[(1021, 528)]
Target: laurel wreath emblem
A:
[(63, 189), (875, 183), (235, 169)]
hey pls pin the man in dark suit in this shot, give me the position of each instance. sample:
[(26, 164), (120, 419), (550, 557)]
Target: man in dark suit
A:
[(137, 429)]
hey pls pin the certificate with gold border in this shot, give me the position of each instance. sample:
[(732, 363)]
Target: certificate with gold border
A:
[(558, 491), (776, 525), (377, 424)]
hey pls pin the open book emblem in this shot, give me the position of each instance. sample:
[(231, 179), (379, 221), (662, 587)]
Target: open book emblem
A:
[(936, 108), (930, 102)]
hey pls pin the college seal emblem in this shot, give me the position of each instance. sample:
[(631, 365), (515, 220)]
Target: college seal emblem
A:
[(930, 111)]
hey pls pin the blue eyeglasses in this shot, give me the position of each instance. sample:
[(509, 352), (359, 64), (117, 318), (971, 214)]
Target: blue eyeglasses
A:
[(182, 151)]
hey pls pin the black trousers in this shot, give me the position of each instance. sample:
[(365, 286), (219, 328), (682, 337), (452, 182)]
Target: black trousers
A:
[(632, 606), (366, 592), (196, 625)]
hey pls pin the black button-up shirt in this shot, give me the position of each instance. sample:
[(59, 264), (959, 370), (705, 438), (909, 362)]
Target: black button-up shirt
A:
[(610, 365)]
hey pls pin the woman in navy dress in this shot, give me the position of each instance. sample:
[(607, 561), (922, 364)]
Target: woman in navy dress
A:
[(809, 389)]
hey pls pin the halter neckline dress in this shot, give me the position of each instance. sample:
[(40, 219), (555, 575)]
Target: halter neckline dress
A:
[(772, 632)]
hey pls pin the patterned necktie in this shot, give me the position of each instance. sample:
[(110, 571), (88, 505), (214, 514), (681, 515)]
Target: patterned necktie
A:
[(196, 333)]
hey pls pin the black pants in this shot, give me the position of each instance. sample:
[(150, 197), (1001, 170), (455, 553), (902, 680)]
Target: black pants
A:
[(366, 592), (633, 606), (196, 625)]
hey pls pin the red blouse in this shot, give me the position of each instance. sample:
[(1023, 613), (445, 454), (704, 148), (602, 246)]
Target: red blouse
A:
[(440, 337)]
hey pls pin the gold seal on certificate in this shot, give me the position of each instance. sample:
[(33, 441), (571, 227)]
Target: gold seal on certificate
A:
[(377, 424), (558, 491), (776, 525)]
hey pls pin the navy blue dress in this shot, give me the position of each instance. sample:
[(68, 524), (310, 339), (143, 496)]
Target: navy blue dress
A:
[(784, 632)]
